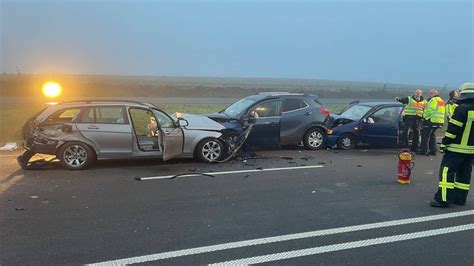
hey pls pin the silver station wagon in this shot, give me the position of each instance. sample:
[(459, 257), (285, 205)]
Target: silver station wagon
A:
[(80, 132)]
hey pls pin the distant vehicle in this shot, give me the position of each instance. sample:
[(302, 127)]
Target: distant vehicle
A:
[(80, 132), (279, 118), (372, 123)]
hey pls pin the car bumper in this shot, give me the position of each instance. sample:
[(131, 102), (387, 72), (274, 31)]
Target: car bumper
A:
[(332, 140)]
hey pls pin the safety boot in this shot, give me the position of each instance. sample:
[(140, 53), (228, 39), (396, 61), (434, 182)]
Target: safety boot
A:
[(438, 204)]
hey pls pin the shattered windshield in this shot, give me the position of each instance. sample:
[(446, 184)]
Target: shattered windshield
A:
[(238, 107), (356, 112)]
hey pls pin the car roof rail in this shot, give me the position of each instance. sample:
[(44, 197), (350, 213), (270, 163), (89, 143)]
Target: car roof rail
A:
[(104, 100), (280, 93)]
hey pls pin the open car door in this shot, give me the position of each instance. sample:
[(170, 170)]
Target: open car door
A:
[(171, 135)]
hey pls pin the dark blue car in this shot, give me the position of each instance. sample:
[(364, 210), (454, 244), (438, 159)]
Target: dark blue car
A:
[(372, 123)]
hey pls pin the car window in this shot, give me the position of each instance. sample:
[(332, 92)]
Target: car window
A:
[(110, 115), (163, 119), (266, 109), (64, 116), (387, 115), (293, 104), (318, 103)]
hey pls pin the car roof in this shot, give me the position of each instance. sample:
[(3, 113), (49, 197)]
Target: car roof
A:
[(263, 95)]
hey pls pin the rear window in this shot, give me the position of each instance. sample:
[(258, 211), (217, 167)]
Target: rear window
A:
[(293, 104), (64, 115)]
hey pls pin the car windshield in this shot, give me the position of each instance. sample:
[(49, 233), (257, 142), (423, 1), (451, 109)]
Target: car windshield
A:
[(356, 112), (238, 107)]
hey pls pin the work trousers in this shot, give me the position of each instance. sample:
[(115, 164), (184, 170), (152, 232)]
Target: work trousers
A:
[(454, 178), (428, 137), (413, 123)]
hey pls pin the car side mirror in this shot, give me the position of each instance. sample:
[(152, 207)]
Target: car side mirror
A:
[(364, 120), (183, 122)]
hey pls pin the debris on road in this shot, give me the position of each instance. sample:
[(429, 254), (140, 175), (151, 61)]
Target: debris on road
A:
[(34, 197), (359, 165), (19, 209), (9, 146)]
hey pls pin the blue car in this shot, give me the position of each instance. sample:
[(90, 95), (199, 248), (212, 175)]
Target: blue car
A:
[(367, 124)]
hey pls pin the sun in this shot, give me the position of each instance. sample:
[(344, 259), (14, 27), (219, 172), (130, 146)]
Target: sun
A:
[(51, 89)]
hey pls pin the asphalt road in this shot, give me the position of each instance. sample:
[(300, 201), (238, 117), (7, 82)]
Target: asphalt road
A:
[(104, 214)]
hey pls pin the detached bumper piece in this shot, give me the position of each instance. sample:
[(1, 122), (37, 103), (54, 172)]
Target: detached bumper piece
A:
[(25, 163)]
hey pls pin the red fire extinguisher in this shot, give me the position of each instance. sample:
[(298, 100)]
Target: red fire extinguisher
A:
[(405, 165)]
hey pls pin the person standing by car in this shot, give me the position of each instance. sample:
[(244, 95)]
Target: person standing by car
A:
[(433, 118), (451, 104), (458, 142), (412, 119)]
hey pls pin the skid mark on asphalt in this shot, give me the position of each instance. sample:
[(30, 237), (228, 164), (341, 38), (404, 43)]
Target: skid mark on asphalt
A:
[(233, 172), (275, 239), (347, 245)]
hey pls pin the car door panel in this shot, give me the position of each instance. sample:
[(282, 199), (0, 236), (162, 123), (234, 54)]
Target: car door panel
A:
[(384, 130), (113, 140), (173, 142), (293, 125), (265, 132)]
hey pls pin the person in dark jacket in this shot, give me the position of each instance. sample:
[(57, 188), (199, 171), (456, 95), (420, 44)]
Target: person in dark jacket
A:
[(458, 145)]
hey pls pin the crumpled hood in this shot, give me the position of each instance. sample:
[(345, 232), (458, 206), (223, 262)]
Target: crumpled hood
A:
[(201, 122), (340, 120)]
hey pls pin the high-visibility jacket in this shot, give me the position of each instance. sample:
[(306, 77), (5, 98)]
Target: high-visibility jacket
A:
[(450, 106), (414, 107), (459, 136), (435, 110)]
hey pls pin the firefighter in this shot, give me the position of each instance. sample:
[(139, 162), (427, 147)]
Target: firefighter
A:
[(412, 118), (458, 145), (451, 104), (433, 118)]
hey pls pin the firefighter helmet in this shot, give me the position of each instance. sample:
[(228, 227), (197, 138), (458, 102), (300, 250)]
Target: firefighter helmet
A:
[(466, 91)]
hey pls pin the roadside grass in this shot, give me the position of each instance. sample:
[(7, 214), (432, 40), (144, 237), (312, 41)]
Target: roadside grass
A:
[(13, 116)]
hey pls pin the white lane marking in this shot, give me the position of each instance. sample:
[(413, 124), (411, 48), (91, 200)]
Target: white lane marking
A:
[(274, 239), (234, 172), (347, 245)]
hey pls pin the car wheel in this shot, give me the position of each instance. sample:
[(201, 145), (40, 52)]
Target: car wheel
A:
[(209, 150), (76, 155), (346, 142), (315, 139)]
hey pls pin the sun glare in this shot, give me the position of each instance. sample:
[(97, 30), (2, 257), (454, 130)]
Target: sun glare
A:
[(51, 89)]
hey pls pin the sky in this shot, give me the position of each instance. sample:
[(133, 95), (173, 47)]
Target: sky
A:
[(411, 42)]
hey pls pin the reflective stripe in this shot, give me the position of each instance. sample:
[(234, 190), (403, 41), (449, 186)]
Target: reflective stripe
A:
[(446, 185), (463, 147), (461, 186), (455, 122), (460, 149), (444, 180), (449, 135)]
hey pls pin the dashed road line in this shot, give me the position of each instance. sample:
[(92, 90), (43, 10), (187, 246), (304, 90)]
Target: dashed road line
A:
[(233, 172), (281, 238), (347, 245)]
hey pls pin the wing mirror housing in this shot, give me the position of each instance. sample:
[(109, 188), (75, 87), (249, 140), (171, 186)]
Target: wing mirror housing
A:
[(183, 122)]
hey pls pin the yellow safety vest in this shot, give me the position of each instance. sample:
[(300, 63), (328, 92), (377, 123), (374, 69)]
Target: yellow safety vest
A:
[(450, 109), (414, 108), (435, 110)]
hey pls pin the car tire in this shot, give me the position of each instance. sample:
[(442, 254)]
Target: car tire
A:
[(315, 139), (76, 155), (209, 150), (346, 142)]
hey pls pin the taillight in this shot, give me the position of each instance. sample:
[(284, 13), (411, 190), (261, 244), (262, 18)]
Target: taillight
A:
[(324, 111)]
